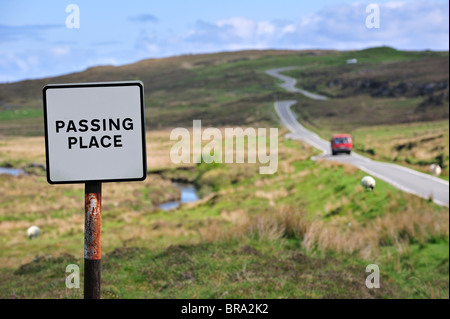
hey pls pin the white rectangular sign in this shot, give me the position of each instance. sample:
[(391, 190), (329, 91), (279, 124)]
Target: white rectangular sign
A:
[(95, 132)]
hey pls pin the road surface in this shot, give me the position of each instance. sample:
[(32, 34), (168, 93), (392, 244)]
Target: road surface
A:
[(403, 178)]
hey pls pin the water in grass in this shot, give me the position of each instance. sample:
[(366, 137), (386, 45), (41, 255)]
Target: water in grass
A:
[(188, 195)]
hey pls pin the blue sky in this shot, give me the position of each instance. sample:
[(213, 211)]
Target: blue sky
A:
[(35, 42)]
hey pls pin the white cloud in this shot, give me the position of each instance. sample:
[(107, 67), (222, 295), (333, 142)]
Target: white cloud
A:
[(394, 5), (412, 25), (152, 48), (60, 50), (265, 28), (13, 65), (407, 25), (238, 27), (147, 44), (290, 28), (415, 25)]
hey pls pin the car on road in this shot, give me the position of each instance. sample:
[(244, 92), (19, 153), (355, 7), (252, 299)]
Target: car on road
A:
[(341, 143)]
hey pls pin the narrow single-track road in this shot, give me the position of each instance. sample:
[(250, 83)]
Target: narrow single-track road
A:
[(403, 178)]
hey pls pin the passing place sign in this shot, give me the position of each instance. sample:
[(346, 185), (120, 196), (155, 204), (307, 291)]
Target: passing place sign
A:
[(95, 132)]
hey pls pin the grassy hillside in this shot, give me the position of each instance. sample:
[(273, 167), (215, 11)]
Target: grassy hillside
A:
[(396, 104), (232, 89), (385, 87), (308, 231), (219, 88)]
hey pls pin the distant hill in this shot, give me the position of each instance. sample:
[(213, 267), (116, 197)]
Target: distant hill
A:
[(231, 88)]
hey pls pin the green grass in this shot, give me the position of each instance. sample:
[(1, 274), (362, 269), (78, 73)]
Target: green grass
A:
[(307, 231), (418, 144), (247, 241), (20, 114), (221, 89), (420, 268), (199, 271), (405, 128)]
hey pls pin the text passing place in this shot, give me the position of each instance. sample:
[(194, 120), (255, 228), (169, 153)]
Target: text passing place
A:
[(95, 132)]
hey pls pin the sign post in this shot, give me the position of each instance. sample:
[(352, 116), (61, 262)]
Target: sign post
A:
[(94, 133), (92, 234)]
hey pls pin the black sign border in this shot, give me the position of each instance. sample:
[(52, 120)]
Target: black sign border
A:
[(97, 84)]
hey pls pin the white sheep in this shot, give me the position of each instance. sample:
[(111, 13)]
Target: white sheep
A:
[(368, 183), (435, 169), (33, 232)]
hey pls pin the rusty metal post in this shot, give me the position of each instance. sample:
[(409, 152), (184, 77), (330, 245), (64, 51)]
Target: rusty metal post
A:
[(92, 247)]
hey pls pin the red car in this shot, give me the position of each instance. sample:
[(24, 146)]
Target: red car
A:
[(341, 143)]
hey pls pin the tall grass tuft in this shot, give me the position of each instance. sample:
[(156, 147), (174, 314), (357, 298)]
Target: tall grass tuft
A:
[(415, 224)]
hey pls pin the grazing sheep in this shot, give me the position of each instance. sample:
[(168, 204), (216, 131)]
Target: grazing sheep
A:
[(368, 183), (33, 232), (435, 169)]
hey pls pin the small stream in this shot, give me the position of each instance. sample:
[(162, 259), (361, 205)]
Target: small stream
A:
[(188, 191), (188, 195), (11, 171)]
